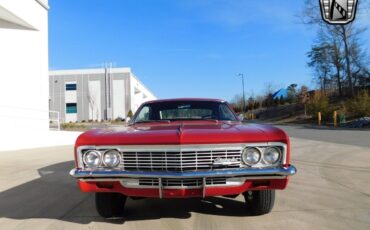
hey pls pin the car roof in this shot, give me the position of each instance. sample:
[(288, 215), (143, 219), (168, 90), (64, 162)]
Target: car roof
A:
[(185, 99)]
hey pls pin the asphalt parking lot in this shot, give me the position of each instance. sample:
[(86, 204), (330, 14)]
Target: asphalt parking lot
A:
[(330, 191)]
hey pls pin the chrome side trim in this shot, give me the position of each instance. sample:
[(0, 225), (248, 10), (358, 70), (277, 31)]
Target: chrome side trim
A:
[(246, 172)]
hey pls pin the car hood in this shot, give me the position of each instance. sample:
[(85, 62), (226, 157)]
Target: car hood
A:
[(175, 133), (182, 133)]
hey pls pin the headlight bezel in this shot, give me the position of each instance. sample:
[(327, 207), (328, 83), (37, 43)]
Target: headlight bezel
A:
[(117, 154), (278, 158), (99, 157), (244, 161), (262, 163)]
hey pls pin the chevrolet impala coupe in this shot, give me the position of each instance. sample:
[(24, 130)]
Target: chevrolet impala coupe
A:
[(182, 148)]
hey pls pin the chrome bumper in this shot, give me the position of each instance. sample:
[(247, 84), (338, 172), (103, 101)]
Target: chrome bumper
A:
[(272, 173)]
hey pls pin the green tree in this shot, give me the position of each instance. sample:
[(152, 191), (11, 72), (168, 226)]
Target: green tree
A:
[(250, 103), (130, 114), (319, 60), (292, 93)]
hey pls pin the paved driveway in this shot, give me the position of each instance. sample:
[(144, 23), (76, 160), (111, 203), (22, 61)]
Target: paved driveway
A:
[(359, 137), (330, 191)]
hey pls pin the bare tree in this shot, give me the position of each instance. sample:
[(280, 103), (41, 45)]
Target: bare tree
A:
[(343, 37), (238, 102), (304, 97), (360, 63), (336, 58), (269, 89), (91, 97)]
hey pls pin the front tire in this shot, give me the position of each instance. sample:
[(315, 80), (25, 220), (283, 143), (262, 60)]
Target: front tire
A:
[(260, 202), (110, 204)]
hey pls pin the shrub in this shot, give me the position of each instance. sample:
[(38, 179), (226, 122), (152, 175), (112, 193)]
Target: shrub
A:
[(130, 114), (319, 103), (72, 126), (118, 119), (359, 106)]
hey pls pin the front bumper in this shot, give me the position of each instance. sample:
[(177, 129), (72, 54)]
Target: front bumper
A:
[(89, 179), (115, 174)]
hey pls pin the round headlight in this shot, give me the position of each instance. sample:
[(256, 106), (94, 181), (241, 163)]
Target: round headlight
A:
[(251, 156), (111, 158), (271, 155), (92, 159)]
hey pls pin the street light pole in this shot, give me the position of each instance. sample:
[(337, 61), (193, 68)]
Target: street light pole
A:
[(242, 75)]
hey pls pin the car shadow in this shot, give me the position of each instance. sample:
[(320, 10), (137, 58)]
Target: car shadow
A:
[(55, 195)]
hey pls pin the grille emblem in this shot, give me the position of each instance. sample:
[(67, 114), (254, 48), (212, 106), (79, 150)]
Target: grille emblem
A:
[(225, 161), (338, 11)]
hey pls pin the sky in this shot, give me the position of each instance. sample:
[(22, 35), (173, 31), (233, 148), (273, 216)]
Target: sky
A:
[(186, 48)]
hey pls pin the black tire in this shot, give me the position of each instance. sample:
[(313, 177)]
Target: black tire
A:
[(260, 202), (110, 204)]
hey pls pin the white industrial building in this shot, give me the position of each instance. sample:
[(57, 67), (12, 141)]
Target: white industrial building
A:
[(96, 94), (24, 108), (25, 99), (24, 65)]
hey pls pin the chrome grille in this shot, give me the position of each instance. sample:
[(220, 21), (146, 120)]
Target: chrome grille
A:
[(177, 161), (183, 183)]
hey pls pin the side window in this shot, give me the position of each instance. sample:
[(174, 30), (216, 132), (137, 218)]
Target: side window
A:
[(225, 113), (71, 108), (143, 114), (71, 86)]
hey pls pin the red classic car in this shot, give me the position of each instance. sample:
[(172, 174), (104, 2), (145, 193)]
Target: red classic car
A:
[(182, 148)]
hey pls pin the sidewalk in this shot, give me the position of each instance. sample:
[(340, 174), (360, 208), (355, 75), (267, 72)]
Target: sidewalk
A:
[(28, 139)]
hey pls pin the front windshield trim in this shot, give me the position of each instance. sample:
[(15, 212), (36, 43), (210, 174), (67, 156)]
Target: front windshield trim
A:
[(217, 119)]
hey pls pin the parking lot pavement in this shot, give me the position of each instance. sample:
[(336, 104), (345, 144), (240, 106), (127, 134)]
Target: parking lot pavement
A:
[(358, 137), (330, 191)]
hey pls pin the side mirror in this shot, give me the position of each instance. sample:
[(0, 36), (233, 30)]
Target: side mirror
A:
[(241, 117)]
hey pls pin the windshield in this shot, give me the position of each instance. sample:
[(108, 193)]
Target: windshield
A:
[(184, 110)]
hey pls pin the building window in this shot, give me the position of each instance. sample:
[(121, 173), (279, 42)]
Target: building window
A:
[(71, 86), (71, 108)]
